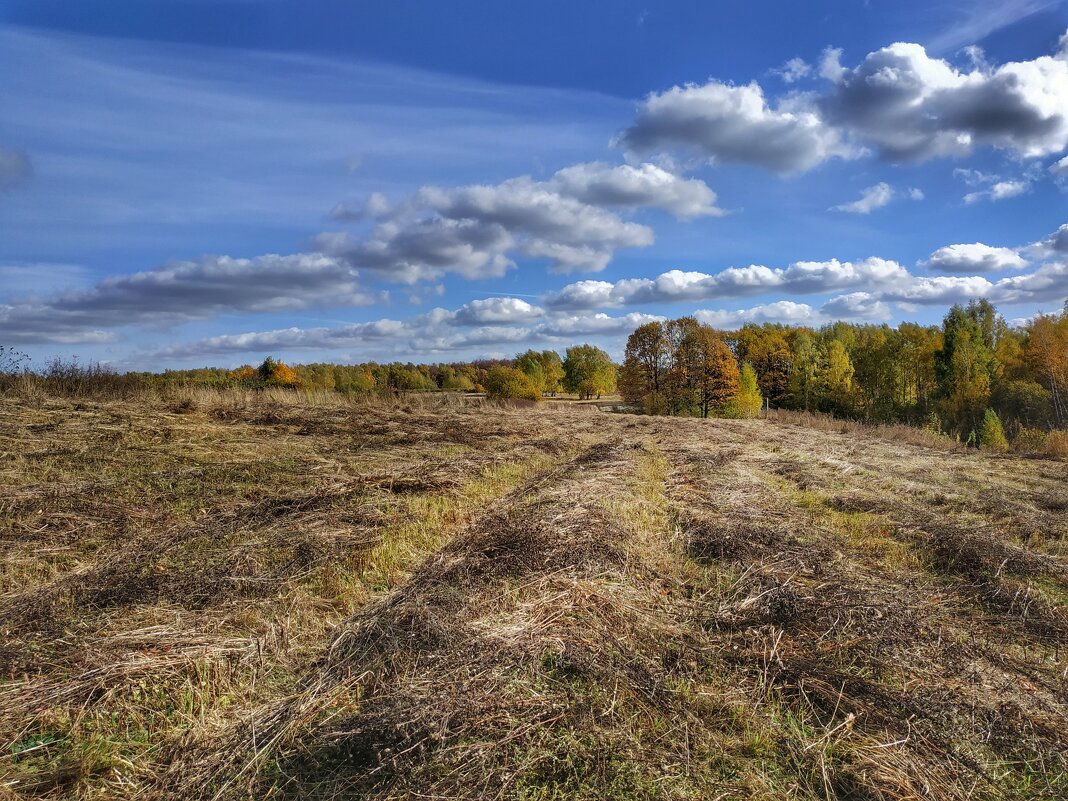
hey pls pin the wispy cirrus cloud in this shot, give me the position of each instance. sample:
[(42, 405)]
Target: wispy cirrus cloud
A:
[(15, 167), (439, 331), (184, 291)]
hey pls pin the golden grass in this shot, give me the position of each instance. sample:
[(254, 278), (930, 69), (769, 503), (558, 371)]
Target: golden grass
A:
[(230, 595)]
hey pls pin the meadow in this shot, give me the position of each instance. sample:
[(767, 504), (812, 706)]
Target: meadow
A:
[(275, 594)]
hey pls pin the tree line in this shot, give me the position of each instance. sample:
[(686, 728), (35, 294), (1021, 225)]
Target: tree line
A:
[(971, 377)]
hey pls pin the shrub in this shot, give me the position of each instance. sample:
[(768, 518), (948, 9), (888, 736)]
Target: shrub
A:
[(1029, 440), (1057, 444), (991, 433), (74, 379), (504, 383)]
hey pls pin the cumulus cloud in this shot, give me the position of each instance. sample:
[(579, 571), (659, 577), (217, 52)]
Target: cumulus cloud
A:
[(15, 167), (493, 311), (182, 291), (803, 277), (1059, 169), (974, 258), (1049, 282), (914, 107), (476, 231), (899, 100), (877, 282), (782, 311), (1053, 245), (874, 197), (854, 306), (732, 124), (627, 186), (564, 326), (940, 290)]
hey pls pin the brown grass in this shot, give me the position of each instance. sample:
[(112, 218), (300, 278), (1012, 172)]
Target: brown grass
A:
[(212, 595)]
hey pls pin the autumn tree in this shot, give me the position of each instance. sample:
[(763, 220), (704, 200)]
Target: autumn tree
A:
[(747, 402), (767, 350), (680, 367), (805, 371), (716, 376), (505, 383), (546, 370), (645, 364), (835, 379), (530, 364), (965, 365), (246, 374), (552, 368), (1046, 353), (683, 366), (589, 371), (451, 379)]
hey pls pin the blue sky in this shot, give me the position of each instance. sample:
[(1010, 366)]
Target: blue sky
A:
[(192, 182)]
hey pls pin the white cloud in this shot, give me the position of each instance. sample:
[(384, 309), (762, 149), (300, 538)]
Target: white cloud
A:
[(375, 207), (564, 326), (1059, 171), (854, 306), (732, 124), (975, 177), (794, 70), (914, 107), (1054, 244), (940, 290), (999, 191), (1048, 283), (907, 104), (187, 290), (874, 197), (477, 231), (493, 311), (974, 258), (646, 185), (831, 67), (782, 311), (437, 331), (803, 277)]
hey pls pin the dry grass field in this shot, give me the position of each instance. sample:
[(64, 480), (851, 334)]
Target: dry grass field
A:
[(236, 596)]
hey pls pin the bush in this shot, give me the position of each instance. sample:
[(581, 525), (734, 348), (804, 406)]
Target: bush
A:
[(991, 433), (74, 379), (1057, 444), (1029, 440), (505, 383)]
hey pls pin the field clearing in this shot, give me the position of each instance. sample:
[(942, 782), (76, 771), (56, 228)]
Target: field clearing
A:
[(234, 596)]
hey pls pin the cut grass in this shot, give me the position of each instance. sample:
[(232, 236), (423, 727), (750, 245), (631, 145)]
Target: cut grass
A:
[(258, 596)]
